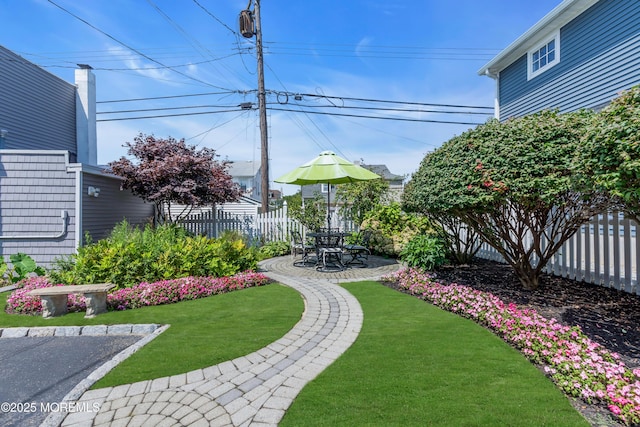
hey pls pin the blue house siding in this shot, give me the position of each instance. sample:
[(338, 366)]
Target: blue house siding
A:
[(599, 57), (38, 109), (36, 217)]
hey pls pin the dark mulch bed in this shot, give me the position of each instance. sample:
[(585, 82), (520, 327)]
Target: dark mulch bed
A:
[(607, 316)]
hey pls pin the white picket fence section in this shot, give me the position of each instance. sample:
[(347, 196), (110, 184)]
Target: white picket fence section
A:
[(604, 252), (272, 226), (275, 225)]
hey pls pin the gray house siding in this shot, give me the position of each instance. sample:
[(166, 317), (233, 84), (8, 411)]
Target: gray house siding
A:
[(37, 204), (112, 206), (38, 109), (599, 57), (46, 209)]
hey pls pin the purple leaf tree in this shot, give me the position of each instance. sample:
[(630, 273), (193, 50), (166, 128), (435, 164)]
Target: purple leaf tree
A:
[(170, 173)]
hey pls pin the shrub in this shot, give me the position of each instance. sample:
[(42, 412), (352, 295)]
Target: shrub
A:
[(392, 228), (510, 179), (131, 255), (23, 266), (424, 252), (274, 249), (611, 148), (462, 242)]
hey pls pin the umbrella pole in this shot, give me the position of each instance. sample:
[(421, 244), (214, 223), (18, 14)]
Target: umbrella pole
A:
[(304, 229), (328, 207)]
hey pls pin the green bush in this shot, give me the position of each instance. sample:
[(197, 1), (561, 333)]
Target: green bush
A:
[(392, 228), (274, 249), (131, 255), (424, 252), (23, 266)]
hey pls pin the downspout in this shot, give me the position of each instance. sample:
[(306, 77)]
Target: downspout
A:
[(79, 215), (496, 99)]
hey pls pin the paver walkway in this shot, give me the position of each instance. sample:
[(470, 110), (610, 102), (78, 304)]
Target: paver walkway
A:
[(253, 390)]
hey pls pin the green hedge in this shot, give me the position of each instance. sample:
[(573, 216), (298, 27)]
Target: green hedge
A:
[(130, 256), (392, 228)]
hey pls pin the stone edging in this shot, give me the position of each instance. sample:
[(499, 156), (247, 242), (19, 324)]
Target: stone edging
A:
[(71, 331)]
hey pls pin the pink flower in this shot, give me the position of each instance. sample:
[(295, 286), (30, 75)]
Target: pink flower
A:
[(143, 294)]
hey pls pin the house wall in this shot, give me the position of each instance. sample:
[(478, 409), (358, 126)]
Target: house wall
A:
[(243, 207), (35, 189), (112, 206), (599, 57), (38, 109), (38, 187)]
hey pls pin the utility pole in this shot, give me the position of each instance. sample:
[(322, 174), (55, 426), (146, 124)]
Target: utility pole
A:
[(262, 108), (249, 25)]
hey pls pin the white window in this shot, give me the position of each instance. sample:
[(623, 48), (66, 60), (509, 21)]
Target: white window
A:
[(544, 56), (325, 188)]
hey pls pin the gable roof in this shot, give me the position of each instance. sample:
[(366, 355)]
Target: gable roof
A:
[(383, 171), (243, 168), (562, 14)]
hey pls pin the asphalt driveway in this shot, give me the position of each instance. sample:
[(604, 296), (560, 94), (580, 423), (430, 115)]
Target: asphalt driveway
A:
[(37, 372)]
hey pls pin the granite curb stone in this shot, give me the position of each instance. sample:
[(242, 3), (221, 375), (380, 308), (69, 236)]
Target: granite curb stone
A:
[(69, 331)]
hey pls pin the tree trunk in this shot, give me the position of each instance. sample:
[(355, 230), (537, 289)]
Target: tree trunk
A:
[(529, 277)]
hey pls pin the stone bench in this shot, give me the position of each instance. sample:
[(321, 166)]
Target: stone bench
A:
[(54, 298)]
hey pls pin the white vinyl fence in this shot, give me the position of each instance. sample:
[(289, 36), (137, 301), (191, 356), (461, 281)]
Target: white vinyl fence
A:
[(275, 225), (604, 252)]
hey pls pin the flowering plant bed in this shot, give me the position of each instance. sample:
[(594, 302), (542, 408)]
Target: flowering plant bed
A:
[(581, 367), (144, 294)]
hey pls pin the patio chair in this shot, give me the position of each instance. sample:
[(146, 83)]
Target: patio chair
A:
[(359, 252), (299, 246), (329, 252)]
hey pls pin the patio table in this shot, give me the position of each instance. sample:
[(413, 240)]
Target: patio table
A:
[(329, 250)]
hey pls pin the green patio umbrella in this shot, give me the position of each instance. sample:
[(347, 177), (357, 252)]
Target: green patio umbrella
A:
[(330, 169)]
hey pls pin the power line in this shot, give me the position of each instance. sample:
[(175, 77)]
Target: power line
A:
[(167, 115), (488, 51), (235, 33), (426, 104), (404, 110), (164, 67), (129, 47), (402, 119), (139, 110), (194, 42), (216, 18), (302, 126), (169, 97), (294, 94)]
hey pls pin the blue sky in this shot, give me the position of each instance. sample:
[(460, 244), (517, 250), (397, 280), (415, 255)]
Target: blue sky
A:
[(341, 57)]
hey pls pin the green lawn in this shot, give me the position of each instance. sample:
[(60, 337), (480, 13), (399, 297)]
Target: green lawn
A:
[(412, 364), (416, 365), (203, 332)]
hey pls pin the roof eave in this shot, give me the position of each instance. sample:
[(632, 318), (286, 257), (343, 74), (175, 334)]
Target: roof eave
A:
[(562, 14)]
